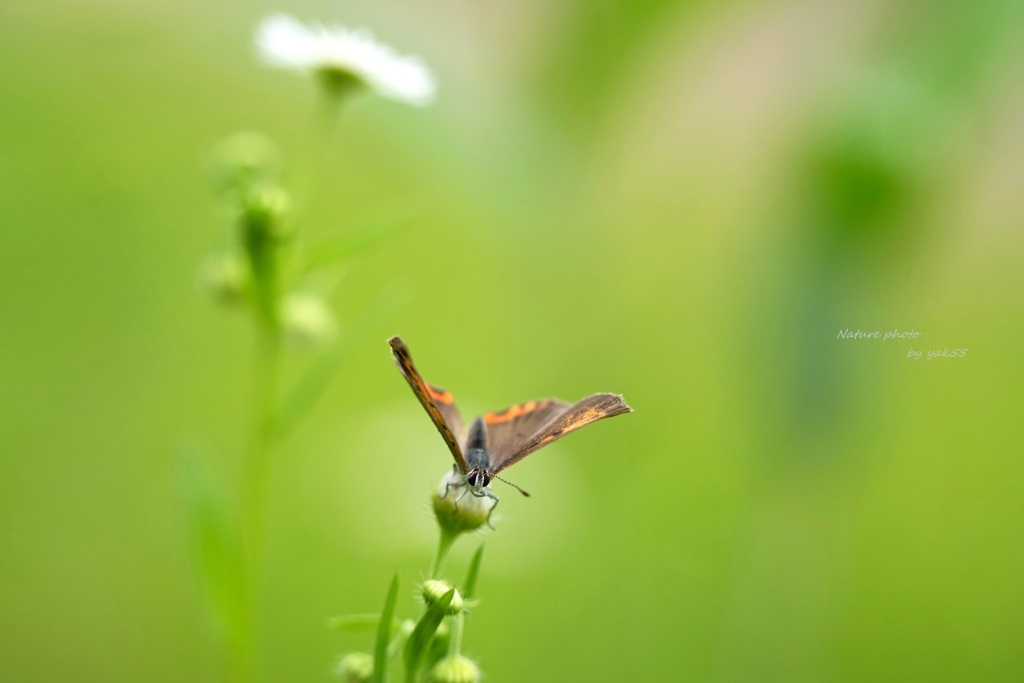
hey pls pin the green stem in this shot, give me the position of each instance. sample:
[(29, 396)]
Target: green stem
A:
[(314, 148), (240, 659), (444, 546), (255, 480), (264, 258), (257, 467), (458, 622)]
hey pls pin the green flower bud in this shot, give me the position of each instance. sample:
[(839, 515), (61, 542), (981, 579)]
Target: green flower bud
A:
[(355, 667), (263, 214), (225, 278), (243, 161), (457, 669), (434, 590), (308, 322), (458, 510)]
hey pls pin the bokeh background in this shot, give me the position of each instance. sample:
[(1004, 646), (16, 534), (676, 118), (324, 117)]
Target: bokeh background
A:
[(680, 201)]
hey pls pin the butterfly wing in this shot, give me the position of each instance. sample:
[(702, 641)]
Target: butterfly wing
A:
[(516, 432), (438, 403), (509, 429)]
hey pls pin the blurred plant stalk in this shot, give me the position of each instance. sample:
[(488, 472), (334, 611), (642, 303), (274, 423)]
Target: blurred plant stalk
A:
[(263, 273)]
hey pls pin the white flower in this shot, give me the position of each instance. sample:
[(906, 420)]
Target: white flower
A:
[(286, 42)]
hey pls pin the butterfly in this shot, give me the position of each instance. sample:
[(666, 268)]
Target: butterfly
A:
[(500, 439)]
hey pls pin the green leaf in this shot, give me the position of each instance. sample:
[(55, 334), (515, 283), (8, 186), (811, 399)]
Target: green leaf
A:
[(380, 648), (419, 640), (469, 587), (348, 245), (216, 545), (402, 632), (314, 383)]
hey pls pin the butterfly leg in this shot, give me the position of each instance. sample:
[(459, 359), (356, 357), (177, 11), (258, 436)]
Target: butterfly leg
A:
[(454, 484), (490, 494)]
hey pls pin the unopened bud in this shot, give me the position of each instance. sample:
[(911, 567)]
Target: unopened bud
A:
[(355, 667), (456, 508), (308, 321), (225, 278), (457, 669), (245, 160), (434, 590), (264, 212)]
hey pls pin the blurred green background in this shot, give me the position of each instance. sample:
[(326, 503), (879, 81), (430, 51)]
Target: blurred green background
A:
[(680, 201)]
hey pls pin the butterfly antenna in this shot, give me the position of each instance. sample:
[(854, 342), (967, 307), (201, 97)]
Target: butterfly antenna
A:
[(513, 486)]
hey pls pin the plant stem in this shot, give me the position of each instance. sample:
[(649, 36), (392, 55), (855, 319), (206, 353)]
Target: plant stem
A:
[(257, 466), (314, 149), (458, 621), (444, 546), (255, 492), (265, 255)]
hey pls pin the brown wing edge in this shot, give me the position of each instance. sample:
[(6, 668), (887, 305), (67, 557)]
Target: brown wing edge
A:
[(424, 392), (585, 411)]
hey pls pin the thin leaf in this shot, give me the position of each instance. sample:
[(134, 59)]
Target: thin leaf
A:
[(316, 380), (419, 640), (469, 587), (216, 545), (398, 641), (380, 648), (348, 245)]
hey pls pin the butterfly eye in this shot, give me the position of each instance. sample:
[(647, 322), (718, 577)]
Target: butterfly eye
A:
[(478, 479)]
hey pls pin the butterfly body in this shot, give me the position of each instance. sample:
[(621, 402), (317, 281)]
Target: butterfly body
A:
[(500, 439), (478, 460)]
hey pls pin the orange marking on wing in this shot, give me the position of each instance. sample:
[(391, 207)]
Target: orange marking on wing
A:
[(440, 395), (514, 412)]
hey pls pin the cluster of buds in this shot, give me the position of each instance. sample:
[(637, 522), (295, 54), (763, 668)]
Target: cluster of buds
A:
[(253, 273)]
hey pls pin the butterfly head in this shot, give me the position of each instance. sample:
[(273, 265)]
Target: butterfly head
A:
[(478, 478)]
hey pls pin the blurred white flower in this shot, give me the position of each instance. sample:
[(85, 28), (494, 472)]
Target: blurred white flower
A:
[(344, 55)]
